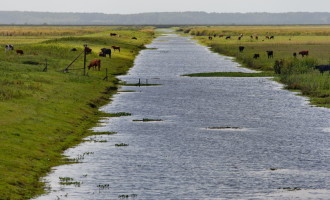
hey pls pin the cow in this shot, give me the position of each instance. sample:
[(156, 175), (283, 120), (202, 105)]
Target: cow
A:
[(270, 54), (322, 68), (73, 49), (256, 56), (239, 38), (113, 34), (210, 38), (271, 37), (294, 54), (18, 51), (220, 36), (228, 37), (134, 38), (257, 37), (101, 54), (241, 48), (303, 53), (106, 52), (95, 63), (115, 48), (9, 47), (88, 50)]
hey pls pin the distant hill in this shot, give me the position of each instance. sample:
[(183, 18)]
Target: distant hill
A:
[(162, 18)]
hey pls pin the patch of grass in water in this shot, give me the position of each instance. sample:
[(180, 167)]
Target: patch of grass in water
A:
[(147, 120), (223, 127), (69, 181), (119, 114), (121, 145), (231, 74)]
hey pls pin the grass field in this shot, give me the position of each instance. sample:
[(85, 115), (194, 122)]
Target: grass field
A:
[(44, 113), (297, 73)]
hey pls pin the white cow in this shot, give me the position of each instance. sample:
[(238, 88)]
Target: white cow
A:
[(9, 47)]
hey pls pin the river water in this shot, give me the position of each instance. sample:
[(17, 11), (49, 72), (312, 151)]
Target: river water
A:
[(218, 138)]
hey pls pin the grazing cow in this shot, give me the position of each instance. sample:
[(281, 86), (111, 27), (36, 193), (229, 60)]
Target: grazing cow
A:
[(295, 54), (256, 56), (251, 36), (271, 37), (106, 52), (95, 63), (220, 36), (134, 38), (210, 38), (113, 34), (228, 37), (116, 48), (88, 50), (18, 51), (215, 35), (9, 47), (257, 37), (303, 53), (239, 38), (322, 68), (270, 54), (241, 48), (267, 37), (73, 49)]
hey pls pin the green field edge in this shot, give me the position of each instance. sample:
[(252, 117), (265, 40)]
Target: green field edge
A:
[(22, 175), (313, 100)]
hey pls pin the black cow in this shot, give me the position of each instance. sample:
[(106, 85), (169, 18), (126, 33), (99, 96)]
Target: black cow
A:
[(73, 49), (228, 37), (241, 48), (113, 34), (106, 52), (322, 68), (256, 56), (295, 54), (210, 38), (271, 37), (270, 54), (134, 38)]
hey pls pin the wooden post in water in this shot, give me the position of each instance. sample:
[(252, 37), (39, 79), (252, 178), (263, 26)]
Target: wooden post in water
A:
[(139, 82), (146, 81)]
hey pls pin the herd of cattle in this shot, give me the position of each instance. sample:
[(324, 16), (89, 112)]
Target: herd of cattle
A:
[(270, 53), (95, 63)]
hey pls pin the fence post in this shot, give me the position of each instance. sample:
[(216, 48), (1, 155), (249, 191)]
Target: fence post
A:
[(85, 45), (46, 67)]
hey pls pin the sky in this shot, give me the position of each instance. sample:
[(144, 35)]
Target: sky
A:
[(142, 6)]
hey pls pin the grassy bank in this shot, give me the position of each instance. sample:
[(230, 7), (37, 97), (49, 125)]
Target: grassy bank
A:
[(297, 73), (44, 113)]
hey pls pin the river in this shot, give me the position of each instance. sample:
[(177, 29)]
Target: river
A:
[(218, 138)]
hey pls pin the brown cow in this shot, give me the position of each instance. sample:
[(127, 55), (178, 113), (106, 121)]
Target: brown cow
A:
[(88, 50), (18, 51), (116, 48), (95, 63), (303, 53)]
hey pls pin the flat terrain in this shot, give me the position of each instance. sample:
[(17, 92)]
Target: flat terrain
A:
[(44, 113), (298, 72)]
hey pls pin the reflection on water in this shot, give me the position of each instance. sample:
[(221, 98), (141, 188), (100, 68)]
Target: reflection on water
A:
[(266, 143)]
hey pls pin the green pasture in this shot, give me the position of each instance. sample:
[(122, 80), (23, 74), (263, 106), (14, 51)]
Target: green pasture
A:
[(298, 73), (44, 113)]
